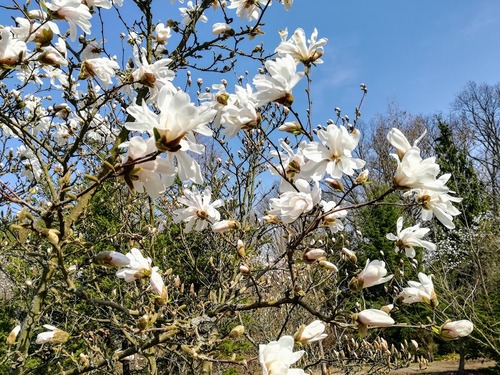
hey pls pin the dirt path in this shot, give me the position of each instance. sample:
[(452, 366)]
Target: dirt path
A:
[(476, 367)]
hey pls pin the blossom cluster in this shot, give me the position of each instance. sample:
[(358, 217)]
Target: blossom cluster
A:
[(167, 130)]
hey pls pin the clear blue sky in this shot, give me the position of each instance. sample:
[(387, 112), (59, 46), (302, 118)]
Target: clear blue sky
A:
[(419, 54)]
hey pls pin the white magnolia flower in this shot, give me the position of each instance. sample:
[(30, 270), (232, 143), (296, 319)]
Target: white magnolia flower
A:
[(289, 164), (437, 204), (334, 154), (151, 176), (12, 50), (52, 336), (30, 166), (92, 50), (73, 11), (422, 291), (238, 111), (221, 28), (154, 76), (162, 33), (54, 56), (277, 357), (200, 211), (373, 274), (28, 30), (138, 268), (99, 131), (100, 67), (416, 173), (188, 12), (173, 129), (297, 47), (278, 84), (408, 238), (106, 4), (248, 8), (54, 73), (332, 220), (456, 329), (217, 99), (399, 141), (310, 333), (294, 202), (374, 318)]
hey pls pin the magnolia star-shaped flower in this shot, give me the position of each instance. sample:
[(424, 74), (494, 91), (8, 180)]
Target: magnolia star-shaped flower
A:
[(334, 154), (174, 129), (437, 204), (248, 8), (373, 274), (12, 49), (277, 357), (297, 47), (200, 211), (278, 84), (408, 238), (399, 141), (416, 173), (150, 175), (422, 291), (100, 67), (73, 11), (138, 268), (294, 202)]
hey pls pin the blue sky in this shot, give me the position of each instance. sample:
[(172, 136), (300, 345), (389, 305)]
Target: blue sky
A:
[(418, 54)]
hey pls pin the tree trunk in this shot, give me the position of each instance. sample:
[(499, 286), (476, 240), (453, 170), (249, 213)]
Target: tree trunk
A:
[(461, 364)]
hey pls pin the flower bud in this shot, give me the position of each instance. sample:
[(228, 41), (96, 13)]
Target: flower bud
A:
[(362, 177), (456, 329), (271, 219), (225, 225), (111, 259), (245, 270), (240, 248), (53, 336), (312, 255), (237, 331), (159, 288), (11, 339), (84, 359), (387, 308), (52, 235), (372, 317), (335, 184), (328, 265), (292, 127), (349, 254), (415, 344), (310, 333)]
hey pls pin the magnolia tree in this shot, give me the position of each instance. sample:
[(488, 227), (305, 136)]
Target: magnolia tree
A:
[(169, 204)]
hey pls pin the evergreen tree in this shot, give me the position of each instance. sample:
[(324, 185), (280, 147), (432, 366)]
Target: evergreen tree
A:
[(464, 181)]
